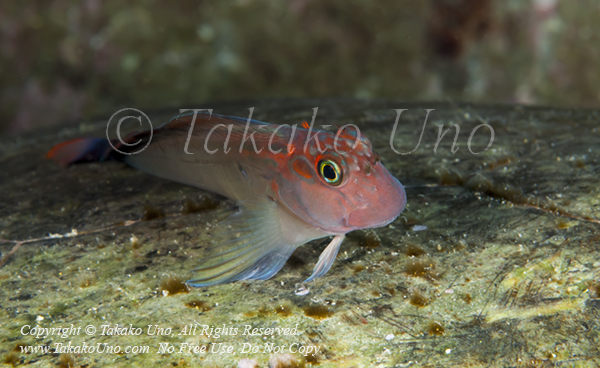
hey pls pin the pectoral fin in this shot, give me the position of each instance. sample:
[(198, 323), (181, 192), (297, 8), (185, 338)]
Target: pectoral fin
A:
[(326, 258), (252, 244)]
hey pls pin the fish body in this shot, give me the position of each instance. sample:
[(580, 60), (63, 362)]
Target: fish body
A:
[(293, 185)]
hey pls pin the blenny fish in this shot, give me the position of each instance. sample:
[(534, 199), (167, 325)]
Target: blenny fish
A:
[(292, 184)]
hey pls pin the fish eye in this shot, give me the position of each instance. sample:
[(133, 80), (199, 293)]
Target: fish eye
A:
[(330, 171)]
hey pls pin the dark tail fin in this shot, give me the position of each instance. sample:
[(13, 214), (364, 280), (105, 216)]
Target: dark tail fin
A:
[(80, 150)]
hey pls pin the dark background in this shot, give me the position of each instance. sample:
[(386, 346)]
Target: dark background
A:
[(68, 60)]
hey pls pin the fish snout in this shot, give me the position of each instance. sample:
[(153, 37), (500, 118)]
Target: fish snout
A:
[(381, 209)]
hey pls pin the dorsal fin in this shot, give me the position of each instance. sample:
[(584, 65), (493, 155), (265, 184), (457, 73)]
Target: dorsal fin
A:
[(183, 121)]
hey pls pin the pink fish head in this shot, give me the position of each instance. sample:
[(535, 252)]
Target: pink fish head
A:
[(340, 190)]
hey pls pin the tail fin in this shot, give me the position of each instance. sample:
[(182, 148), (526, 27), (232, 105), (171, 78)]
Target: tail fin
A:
[(80, 150)]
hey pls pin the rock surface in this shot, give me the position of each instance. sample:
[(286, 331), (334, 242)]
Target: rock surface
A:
[(494, 262)]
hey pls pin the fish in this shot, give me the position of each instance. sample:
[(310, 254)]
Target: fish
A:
[(292, 184)]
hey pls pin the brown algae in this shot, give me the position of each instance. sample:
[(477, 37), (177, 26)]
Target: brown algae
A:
[(366, 239), (204, 204), (66, 361), (418, 300), (87, 279), (172, 285), (151, 212), (317, 311), (201, 305), (413, 250), (11, 359), (435, 329), (358, 268), (283, 310), (467, 298), (425, 268)]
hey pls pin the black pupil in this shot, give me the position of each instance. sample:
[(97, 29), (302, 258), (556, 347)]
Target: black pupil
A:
[(329, 172)]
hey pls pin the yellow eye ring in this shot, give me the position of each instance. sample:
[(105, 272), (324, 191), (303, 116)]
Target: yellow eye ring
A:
[(330, 171)]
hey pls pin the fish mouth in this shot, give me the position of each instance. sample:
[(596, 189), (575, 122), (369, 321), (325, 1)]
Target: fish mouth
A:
[(381, 211), (356, 219)]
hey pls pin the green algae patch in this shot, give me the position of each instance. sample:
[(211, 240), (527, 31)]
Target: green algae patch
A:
[(549, 309)]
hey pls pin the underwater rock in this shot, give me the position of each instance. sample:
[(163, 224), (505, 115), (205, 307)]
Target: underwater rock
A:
[(506, 249)]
